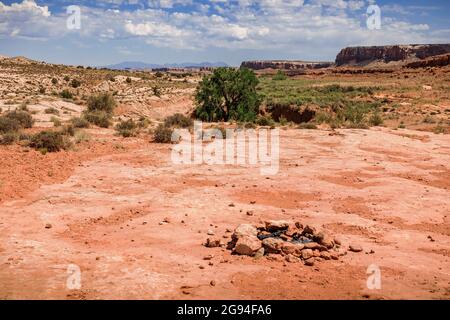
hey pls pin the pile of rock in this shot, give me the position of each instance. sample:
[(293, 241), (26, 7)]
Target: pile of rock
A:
[(297, 243)]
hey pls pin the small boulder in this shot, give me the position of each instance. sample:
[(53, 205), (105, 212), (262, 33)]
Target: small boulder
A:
[(291, 258), (247, 246), (312, 245), (273, 245), (308, 230), (259, 253), (325, 255), (244, 230), (310, 262), (307, 254), (292, 248), (276, 225), (213, 243), (355, 248)]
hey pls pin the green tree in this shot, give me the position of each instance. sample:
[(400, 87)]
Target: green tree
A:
[(228, 94)]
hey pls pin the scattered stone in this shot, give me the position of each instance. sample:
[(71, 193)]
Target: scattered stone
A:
[(208, 257), (309, 262), (292, 249), (325, 255), (338, 241), (244, 230), (250, 213), (212, 283), (312, 245), (292, 259), (247, 246), (308, 230), (210, 233), (273, 225), (166, 220), (273, 245), (48, 226), (355, 248), (259, 253), (213, 243), (307, 254)]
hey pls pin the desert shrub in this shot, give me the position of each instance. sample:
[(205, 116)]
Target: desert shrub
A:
[(128, 80), (49, 141), (143, 122), (103, 102), (54, 81), (68, 130), (110, 77), (66, 94), (23, 118), (159, 74), (8, 138), (82, 136), (51, 110), (56, 121), (283, 121), (79, 122), (127, 128), (75, 83), (376, 119), (439, 129), (228, 94), (156, 91), (41, 90), (179, 121), (98, 118), (66, 78), (307, 126), (163, 134), (265, 121), (8, 125), (279, 76)]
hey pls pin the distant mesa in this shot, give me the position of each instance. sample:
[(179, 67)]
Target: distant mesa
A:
[(395, 54), (136, 65), (285, 65), (409, 56)]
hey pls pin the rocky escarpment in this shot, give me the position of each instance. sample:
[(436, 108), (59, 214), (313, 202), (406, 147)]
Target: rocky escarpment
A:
[(437, 61), (284, 65), (404, 53)]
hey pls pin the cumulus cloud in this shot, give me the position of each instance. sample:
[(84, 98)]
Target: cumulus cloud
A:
[(291, 26)]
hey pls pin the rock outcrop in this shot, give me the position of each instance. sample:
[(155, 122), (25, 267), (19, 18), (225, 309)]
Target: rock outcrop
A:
[(406, 53), (437, 61), (284, 65)]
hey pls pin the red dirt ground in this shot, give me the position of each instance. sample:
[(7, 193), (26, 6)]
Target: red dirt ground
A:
[(387, 192)]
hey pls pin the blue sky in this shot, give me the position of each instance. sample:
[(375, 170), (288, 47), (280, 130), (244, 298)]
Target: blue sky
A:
[(168, 31)]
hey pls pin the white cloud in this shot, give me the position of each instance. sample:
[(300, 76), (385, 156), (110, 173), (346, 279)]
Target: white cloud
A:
[(292, 27)]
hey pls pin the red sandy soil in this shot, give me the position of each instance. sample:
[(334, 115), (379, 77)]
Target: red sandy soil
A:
[(385, 191)]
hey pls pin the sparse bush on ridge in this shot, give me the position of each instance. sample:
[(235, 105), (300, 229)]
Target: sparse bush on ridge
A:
[(98, 118), (51, 110), (8, 138), (127, 128), (102, 102), (179, 121), (23, 118), (279, 76), (100, 110), (79, 122), (49, 141), (163, 134), (66, 94)]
